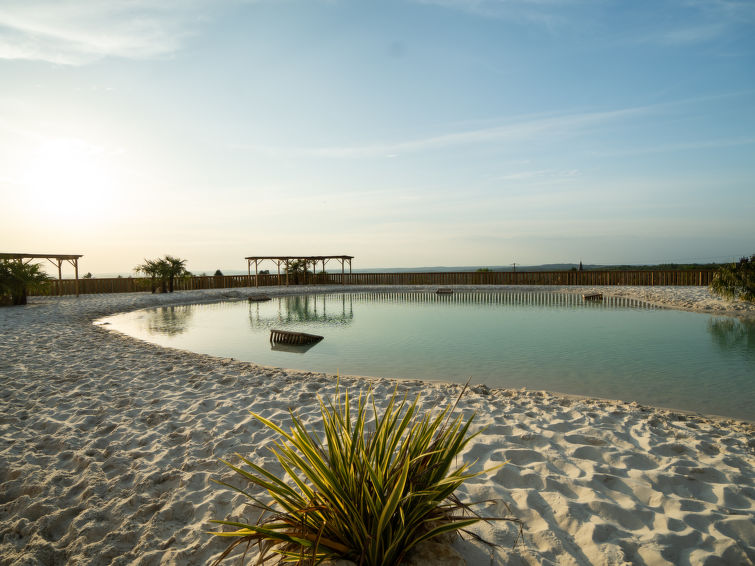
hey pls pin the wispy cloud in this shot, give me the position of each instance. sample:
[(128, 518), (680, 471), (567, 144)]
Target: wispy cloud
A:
[(686, 146), (742, 11), (515, 131), (549, 13), (702, 21), (77, 32), (540, 174), (693, 34)]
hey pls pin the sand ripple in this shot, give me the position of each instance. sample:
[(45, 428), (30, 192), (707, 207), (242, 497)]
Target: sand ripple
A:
[(107, 445)]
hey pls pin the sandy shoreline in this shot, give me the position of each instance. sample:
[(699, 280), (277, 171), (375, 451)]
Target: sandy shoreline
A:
[(107, 445)]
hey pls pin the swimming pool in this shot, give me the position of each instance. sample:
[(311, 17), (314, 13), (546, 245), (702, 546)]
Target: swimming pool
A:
[(618, 348)]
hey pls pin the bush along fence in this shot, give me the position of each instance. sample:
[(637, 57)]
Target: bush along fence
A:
[(142, 284)]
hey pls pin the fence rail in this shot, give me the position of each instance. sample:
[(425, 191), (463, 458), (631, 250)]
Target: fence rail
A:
[(592, 278)]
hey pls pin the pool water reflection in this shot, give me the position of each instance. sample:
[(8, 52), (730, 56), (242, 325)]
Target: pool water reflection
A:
[(618, 348)]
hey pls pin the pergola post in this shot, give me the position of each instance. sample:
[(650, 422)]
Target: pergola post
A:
[(76, 272), (305, 260), (60, 278)]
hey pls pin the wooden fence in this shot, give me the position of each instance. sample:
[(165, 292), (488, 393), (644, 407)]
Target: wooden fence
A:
[(697, 277), (592, 278)]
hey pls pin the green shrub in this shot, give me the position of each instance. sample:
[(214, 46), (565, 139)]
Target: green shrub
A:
[(363, 495), (736, 280), (17, 278)]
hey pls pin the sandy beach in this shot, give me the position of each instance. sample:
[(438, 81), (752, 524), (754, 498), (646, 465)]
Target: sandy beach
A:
[(107, 446)]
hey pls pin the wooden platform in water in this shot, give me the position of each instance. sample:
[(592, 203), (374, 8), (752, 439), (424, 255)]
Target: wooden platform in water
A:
[(593, 297), (444, 291), (258, 298), (296, 338)]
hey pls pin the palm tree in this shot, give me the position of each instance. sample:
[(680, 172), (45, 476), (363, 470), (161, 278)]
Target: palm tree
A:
[(153, 268), (174, 267), (17, 278), (166, 269), (297, 271)]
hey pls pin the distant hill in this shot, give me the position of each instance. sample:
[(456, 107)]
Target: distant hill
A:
[(466, 268)]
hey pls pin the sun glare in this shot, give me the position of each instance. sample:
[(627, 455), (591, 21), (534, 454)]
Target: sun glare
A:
[(68, 178)]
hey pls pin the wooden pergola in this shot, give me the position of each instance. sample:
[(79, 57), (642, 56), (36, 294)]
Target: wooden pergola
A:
[(286, 260), (56, 259)]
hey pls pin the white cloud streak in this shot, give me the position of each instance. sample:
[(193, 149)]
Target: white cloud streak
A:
[(695, 34), (552, 126), (687, 146), (525, 128), (705, 21), (78, 32), (709, 19), (549, 13)]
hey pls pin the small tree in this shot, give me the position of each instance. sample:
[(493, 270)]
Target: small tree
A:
[(297, 271), (175, 267), (736, 280), (17, 278), (164, 270), (155, 270), (218, 273)]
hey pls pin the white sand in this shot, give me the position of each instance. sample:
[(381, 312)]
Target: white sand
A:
[(107, 445)]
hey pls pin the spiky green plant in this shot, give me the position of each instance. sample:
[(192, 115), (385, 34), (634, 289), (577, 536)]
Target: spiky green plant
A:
[(368, 493)]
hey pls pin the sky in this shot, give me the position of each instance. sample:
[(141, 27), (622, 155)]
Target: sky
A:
[(402, 132)]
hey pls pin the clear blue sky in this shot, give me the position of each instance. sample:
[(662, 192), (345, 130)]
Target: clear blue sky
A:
[(405, 133)]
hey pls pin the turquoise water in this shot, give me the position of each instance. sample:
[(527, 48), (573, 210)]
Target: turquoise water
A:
[(618, 348)]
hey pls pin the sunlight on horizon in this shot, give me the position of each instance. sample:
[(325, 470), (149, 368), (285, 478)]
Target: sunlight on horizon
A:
[(403, 133)]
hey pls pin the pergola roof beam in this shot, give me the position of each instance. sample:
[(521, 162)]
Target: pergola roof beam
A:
[(302, 257), (307, 259), (39, 256), (73, 259)]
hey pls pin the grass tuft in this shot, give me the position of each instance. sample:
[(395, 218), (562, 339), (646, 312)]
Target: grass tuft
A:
[(364, 493)]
